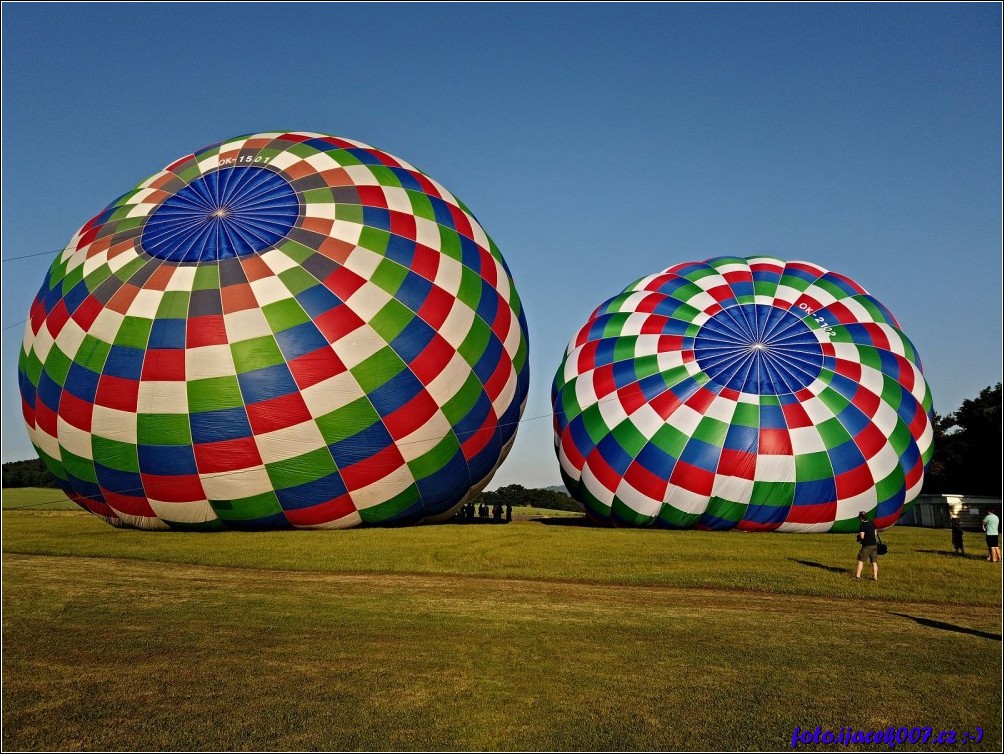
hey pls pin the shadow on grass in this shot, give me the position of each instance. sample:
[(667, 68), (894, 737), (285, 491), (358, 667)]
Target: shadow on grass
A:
[(813, 564), (952, 554), (950, 627)]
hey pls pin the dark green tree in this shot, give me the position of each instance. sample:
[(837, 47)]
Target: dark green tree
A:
[(31, 473), (967, 448)]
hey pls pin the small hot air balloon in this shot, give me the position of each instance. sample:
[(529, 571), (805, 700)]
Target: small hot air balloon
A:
[(751, 393)]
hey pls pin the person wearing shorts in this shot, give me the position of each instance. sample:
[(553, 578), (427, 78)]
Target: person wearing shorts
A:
[(869, 546), (991, 525)]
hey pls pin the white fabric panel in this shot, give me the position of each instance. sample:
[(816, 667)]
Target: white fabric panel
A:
[(594, 486), (361, 175), (277, 261), (397, 199), (685, 500), (395, 482), (363, 262), (850, 507), (450, 380), (331, 394), (114, 424), (193, 512), (245, 325), (637, 501), (269, 290), (427, 233), (368, 300), (320, 162), (289, 442), (77, 441), (775, 468), (448, 275), (358, 345), (206, 362), (425, 438), (231, 485), (457, 325), (140, 522), (344, 230), (733, 488)]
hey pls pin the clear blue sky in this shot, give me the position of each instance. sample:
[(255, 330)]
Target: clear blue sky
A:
[(595, 143)]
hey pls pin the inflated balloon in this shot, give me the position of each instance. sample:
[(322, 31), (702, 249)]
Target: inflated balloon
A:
[(283, 329), (742, 393)]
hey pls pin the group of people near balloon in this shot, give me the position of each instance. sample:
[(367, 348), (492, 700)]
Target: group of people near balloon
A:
[(991, 528), (496, 513)]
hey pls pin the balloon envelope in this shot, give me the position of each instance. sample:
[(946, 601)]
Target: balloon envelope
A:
[(742, 393), (283, 329)]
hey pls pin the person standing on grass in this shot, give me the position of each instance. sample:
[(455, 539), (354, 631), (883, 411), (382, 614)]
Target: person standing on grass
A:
[(957, 537), (991, 525), (869, 546)]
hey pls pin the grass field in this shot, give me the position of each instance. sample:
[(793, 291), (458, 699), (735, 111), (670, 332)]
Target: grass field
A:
[(542, 634), (37, 499)]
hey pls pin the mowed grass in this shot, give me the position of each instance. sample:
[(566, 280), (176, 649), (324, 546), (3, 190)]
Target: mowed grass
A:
[(532, 635), (37, 499)]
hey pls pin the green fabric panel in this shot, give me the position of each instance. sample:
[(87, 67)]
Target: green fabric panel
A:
[(247, 508), (282, 315), (134, 332), (174, 305), (213, 394), (57, 365), (374, 239), (461, 404), (391, 320), (297, 280), (207, 278), (775, 494), (293, 472), (727, 510), (92, 353), (81, 468), (117, 455), (434, 460), (623, 512), (476, 341), (163, 429), (812, 466), (256, 353), (348, 420), (392, 507), (376, 370)]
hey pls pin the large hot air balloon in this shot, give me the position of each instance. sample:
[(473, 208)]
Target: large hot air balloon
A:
[(283, 329), (742, 393)]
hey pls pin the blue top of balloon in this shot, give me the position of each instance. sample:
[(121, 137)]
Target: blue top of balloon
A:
[(228, 213)]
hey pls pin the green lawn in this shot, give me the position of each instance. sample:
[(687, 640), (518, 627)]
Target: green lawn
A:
[(37, 499), (535, 635)]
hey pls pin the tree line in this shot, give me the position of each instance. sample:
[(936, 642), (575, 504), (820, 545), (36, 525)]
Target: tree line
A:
[(31, 473), (517, 494), (967, 448)]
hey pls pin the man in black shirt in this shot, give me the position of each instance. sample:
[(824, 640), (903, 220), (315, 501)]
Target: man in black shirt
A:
[(869, 546)]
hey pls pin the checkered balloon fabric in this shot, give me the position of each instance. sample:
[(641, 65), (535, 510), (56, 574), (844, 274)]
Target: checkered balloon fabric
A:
[(283, 329), (742, 393)]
